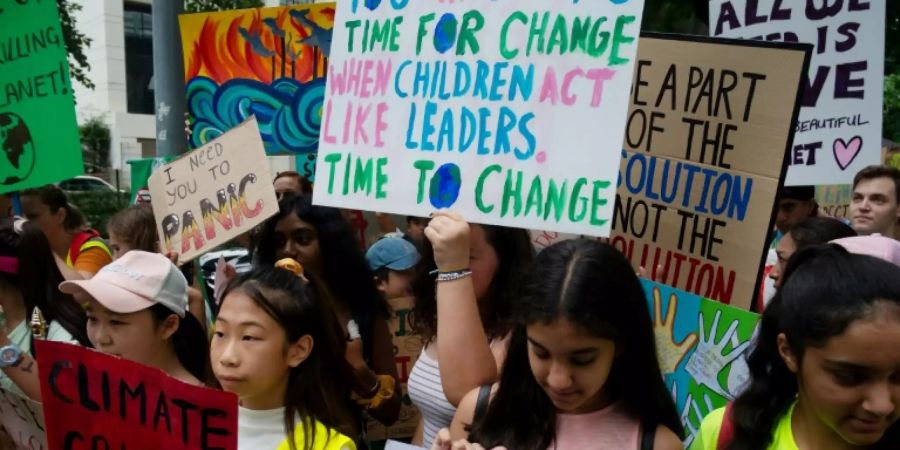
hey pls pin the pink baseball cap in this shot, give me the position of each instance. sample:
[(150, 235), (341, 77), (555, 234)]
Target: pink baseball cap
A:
[(875, 245), (134, 282)]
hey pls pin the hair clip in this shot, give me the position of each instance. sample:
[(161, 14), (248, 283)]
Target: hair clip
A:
[(291, 265)]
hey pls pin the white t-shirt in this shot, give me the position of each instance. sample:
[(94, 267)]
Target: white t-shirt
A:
[(264, 430)]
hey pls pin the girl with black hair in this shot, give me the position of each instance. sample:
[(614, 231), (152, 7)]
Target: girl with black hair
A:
[(137, 310), (322, 242), (279, 347), (28, 280), (478, 268), (581, 371), (825, 371)]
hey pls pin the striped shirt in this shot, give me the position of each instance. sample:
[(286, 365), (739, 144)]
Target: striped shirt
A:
[(427, 393)]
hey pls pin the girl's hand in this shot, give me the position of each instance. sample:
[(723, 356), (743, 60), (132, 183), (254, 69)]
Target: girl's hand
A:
[(443, 442), (449, 235)]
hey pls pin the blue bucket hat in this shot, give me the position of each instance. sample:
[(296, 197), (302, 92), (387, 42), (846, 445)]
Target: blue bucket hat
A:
[(393, 253)]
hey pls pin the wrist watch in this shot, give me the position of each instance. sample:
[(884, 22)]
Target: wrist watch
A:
[(10, 356)]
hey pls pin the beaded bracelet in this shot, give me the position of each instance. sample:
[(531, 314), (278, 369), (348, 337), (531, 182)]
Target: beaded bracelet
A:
[(453, 276)]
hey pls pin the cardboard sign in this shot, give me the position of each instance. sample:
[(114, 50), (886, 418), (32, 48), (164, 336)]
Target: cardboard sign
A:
[(708, 129), (268, 62), (213, 194), (39, 141), (510, 113), (23, 421), (407, 347), (93, 400), (702, 346), (835, 199), (839, 129)]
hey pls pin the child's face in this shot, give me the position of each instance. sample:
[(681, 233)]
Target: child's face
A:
[(299, 241), (135, 336), (398, 284), (852, 383), (250, 354), (570, 364), (118, 246)]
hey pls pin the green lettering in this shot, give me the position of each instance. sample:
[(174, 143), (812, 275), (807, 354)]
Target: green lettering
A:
[(381, 178), (580, 30), (556, 198), (535, 197), (362, 177), (424, 165), (504, 34), (598, 201), (558, 36), (577, 201), (351, 25), (467, 32), (332, 159), (514, 193), (422, 31), (479, 188), (597, 49), (618, 39)]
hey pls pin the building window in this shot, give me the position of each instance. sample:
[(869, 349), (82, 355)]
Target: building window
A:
[(139, 58)]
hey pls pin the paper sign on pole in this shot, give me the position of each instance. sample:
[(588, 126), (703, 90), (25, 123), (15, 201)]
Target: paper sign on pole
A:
[(214, 193), (39, 141), (511, 113), (94, 400), (23, 421), (839, 129), (702, 347), (704, 148)]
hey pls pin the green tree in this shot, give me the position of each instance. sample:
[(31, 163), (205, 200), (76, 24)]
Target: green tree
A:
[(95, 141), (76, 42), (219, 5)]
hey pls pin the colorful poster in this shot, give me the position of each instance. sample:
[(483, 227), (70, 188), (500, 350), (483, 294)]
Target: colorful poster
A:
[(213, 194), (267, 62), (407, 347), (511, 113), (702, 347), (707, 133), (94, 400), (39, 142), (22, 419), (839, 129)]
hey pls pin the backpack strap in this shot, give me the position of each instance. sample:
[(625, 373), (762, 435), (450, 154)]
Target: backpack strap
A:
[(481, 404), (726, 430), (648, 436)]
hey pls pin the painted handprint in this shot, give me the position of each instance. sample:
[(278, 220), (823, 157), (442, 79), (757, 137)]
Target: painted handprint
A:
[(691, 422), (670, 353), (710, 359)]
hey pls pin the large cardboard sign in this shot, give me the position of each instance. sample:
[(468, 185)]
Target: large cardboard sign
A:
[(214, 193), (39, 141), (702, 346), (22, 419), (267, 62), (703, 155), (407, 347), (93, 400), (511, 113), (839, 130)]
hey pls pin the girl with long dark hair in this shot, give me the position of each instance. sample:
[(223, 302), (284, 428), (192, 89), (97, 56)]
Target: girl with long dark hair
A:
[(278, 346), (825, 371), (28, 281), (321, 241), (581, 371)]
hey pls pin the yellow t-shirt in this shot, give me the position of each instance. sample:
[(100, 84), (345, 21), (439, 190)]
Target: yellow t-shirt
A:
[(708, 437), (264, 430)]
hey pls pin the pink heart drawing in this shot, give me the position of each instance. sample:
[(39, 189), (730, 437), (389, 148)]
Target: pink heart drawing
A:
[(846, 152)]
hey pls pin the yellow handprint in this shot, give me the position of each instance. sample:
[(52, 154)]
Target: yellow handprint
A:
[(670, 353)]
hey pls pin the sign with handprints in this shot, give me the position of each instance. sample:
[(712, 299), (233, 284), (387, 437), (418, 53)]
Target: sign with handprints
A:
[(266, 62), (702, 346)]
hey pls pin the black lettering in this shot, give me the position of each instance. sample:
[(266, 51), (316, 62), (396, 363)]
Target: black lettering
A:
[(58, 366), (162, 412), (71, 437), (84, 389), (207, 430), (185, 406), (139, 393), (844, 81)]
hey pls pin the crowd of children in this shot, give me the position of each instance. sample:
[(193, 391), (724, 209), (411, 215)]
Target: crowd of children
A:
[(518, 350)]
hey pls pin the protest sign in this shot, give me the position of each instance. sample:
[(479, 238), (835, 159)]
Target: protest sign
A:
[(213, 194), (94, 400), (141, 169), (704, 149), (407, 347), (23, 421), (267, 62), (835, 199), (702, 346), (839, 129), (38, 132), (511, 117)]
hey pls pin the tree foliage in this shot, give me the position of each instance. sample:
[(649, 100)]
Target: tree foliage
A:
[(95, 141), (193, 6), (76, 42)]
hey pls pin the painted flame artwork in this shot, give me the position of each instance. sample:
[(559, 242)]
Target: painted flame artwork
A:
[(267, 62)]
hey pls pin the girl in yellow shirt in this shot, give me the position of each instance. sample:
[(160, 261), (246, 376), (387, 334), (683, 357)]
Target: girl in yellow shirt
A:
[(825, 373)]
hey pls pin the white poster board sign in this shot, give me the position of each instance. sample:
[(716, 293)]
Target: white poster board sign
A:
[(839, 129), (511, 113)]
